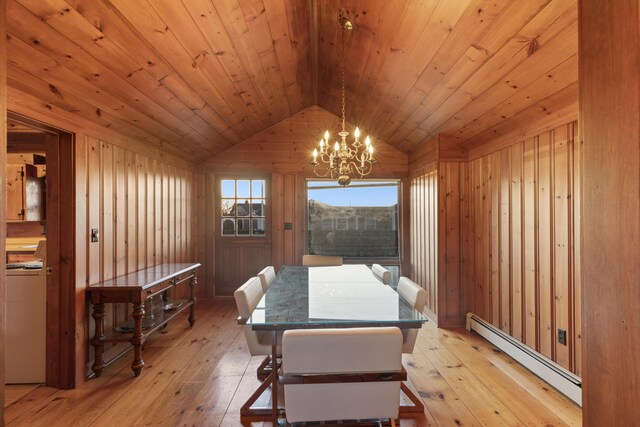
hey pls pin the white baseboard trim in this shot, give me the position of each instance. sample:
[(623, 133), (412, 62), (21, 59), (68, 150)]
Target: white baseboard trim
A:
[(564, 381)]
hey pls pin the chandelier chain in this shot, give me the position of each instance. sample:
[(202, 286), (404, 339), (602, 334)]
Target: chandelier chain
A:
[(343, 160), (343, 84)]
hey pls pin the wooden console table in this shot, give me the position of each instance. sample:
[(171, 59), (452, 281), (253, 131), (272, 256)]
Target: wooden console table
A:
[(136, 288)]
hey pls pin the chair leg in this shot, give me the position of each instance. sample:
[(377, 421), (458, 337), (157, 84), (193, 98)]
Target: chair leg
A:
[(393, 422)]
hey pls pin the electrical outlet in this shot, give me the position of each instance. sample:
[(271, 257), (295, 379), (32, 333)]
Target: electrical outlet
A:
[(562, 336), (95, 235)]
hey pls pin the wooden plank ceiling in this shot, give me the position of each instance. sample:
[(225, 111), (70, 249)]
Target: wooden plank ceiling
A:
[(199, 76)]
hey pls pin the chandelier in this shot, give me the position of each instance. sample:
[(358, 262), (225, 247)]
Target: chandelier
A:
[(343, 161)]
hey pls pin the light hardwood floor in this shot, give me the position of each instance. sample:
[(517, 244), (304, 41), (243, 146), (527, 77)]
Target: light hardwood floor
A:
[(202, 376)]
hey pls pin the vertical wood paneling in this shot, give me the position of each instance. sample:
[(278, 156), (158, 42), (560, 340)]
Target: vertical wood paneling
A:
[(515, 233), (150, 214), (561, 237), (423, 218), (132, 212), (545, 249), (288, 211), (120, 219), (94, 204), (107, 196), (126, 200), (277, 220), (610, 140), (504, 218), (529, 243), (141, 203), (494, 286), (576, 251), (532, 224)]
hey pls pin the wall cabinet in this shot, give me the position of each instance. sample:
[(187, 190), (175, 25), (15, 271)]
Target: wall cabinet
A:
[(25, 193)]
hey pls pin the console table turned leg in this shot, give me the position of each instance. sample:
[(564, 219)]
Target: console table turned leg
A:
[(137, 339), (97, 340), (193, 283)]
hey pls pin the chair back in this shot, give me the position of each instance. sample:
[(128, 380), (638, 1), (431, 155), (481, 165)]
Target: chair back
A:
[(321, 260), (336, 351), (382, 273), (266, 276), (247, 298), (416, 296)]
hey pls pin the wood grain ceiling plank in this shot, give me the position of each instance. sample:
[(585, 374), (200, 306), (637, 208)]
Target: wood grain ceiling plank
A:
[(51, 43), (29, 60), (550, 112), (263, 39), (551, 21), (478, 18), (544, 86), (400, 102), (238, 32), (439, 85), (312, 51), (209, 22), (34, 94), (147, 22), (544, 59), (212, 51), (113, 28), (385, 32), (410, 27), (286, 20), (178, 21), (360, 44)]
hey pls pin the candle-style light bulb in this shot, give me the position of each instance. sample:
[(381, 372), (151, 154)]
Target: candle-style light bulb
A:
[(326, 136), (336, 146), (367, 141), (370, 152), (315, 154), (357, 133)]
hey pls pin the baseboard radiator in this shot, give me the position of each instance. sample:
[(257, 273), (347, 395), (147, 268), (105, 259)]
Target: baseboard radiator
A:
[(564, 381)]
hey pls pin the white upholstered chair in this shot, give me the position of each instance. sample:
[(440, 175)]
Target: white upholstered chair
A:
[(416, 296), (247, 298), (342, 374), (382, 273), (266, 276), (321, 260)]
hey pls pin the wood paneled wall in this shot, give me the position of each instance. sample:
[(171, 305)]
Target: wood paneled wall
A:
[(284, 152), (610, 132), (439, 213), (523, 263), (144, 211), (3, 183), (142, 199), (424, 233)]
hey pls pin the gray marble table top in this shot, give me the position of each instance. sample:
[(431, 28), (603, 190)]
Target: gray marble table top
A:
[(331, 297)]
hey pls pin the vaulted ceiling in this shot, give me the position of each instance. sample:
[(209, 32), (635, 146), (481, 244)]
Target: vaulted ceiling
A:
[(199, 76)]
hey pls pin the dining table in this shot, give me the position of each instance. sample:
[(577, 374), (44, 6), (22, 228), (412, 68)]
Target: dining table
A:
[(346, 296)]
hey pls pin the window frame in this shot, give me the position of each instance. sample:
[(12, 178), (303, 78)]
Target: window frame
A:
[(390, 261), (218, 208)]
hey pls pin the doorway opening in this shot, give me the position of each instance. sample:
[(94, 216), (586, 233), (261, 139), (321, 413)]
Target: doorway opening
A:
[(41, 249)]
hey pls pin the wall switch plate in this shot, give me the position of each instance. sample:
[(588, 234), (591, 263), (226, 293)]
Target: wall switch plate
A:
[(562, 336), (95, 235), (288, 226)]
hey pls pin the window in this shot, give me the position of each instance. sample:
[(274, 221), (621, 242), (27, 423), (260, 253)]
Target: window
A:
[(242, 207), (357, 221)]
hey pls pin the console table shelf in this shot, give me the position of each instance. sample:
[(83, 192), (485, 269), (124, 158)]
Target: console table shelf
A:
[(137, 288)]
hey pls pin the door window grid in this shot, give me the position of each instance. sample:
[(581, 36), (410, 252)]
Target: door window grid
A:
[(242, 207)]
